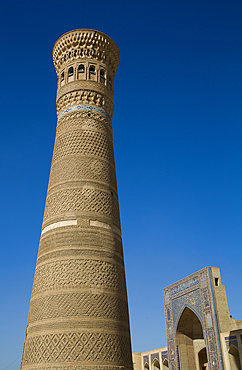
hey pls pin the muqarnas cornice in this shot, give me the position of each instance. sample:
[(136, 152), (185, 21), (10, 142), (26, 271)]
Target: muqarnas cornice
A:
[(84, 97), (85, 43)]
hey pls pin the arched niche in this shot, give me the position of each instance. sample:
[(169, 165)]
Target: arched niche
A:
[(92, 73), (203, 360), (155, 364), (234, 359), (165, 364), (62, 79), (102, 76), (81, 72), (146, 366), (70, 74), (190, 340)]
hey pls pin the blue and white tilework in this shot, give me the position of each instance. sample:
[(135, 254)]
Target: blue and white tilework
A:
[(191, 300), (164, 355), (232, 340), (153, 356), (194, 292), (85, 107), (145, 360)]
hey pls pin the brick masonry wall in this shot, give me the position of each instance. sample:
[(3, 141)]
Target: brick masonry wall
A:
[(78, 316)]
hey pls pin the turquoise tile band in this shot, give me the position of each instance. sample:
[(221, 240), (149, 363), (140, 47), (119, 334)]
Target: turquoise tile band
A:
[(84, 107)]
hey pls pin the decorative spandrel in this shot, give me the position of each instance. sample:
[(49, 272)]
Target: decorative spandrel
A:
[(190, 311)]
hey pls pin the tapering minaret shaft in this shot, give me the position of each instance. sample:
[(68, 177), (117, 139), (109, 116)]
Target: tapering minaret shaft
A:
[(78, 316)]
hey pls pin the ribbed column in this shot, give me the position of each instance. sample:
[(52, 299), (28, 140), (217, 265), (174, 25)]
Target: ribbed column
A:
[(78, 316)]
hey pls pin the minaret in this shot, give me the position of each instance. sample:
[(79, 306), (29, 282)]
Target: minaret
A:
[(78, 315)]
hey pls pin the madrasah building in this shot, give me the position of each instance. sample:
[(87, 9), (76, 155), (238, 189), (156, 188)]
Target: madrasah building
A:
[(201, 333)]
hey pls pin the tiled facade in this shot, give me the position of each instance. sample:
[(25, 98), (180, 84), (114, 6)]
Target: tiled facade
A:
[(155, 359), (201, 334)]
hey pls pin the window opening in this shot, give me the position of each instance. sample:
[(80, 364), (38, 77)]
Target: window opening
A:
[(62, 76), (216, 280), (70, 72), (102, 76), (81, 68), (92, 70)]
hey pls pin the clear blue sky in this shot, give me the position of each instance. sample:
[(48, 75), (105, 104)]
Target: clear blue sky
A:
[(177, 137)]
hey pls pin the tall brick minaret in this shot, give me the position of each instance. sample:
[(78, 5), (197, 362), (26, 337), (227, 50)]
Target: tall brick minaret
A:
[(78, 315)]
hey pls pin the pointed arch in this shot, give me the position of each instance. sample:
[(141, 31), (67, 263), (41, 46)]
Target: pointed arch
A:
[(155, 364), (190, 337), (202, 358), (185, 305), (234, 359), (70, 74), (165, 364)]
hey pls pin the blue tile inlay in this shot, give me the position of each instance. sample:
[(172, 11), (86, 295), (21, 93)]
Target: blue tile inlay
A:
[(230, 338), (153, 356), (231, 341), (216, 319), (183, 286), (145, 359), (191, 300), (196, 293), (84, 107), (164, 355), (177, 358)]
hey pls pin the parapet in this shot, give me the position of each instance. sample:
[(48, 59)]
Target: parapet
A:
[(85, 43)]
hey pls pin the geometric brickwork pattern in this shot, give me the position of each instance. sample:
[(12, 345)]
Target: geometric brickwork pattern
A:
[(89, 121), (90, 143), (84, 199), (83, 167), (194, 292), (75, 347), (78, 273), (78, 315), (75, 304)]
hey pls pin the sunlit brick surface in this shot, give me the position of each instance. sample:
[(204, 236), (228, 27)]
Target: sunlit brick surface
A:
[(78, 316)]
